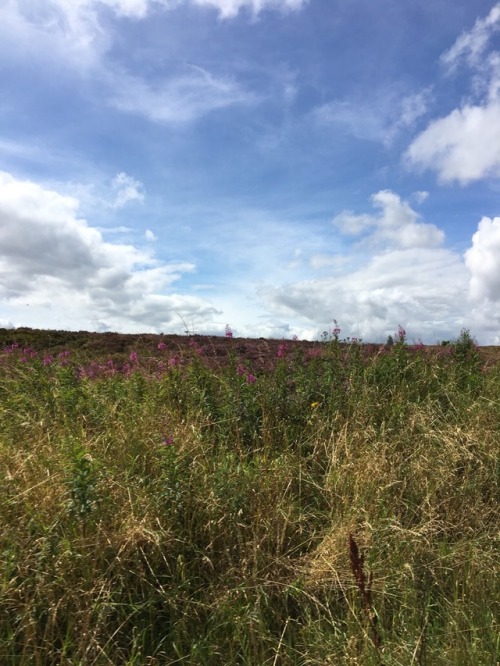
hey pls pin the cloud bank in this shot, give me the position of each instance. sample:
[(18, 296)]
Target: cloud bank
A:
[(399, 272), (61, 268)]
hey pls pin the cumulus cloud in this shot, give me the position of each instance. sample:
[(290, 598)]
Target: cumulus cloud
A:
[(55, 261), (464, 145), (395, 225), (483, 261)]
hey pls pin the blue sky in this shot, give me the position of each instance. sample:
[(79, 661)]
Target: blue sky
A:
[(172, 165)]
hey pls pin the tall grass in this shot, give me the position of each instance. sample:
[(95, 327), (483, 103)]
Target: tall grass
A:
[(335, 507)]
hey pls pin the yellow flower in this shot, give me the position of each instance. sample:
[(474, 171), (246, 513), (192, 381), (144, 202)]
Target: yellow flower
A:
[(314, 405)]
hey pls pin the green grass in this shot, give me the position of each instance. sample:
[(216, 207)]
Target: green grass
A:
[(234, 543)]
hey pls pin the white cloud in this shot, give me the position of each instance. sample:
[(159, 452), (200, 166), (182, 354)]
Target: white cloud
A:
[(126, 189), (420, 196), (323, 261), (59, 265), (75, 29), (470, 46), (431, 290), (396, 225), (463, 146), (150, 236), (378, 118), (483, 261), (179, 99), (73, 34), (231, 8), (418, 287)]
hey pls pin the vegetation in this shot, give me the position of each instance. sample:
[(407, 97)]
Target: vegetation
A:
[(324, 504)]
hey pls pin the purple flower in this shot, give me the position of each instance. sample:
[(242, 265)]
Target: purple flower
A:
[(251, 379), (240, 370), (282, 350), (167, 440), (228, 332), (162, 346), (48, 360), (173, 361), (133, 357)]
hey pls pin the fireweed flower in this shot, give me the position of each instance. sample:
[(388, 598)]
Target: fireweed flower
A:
[(196, 347), (228, 332), (240, 370), (162, 346), (282, 350), (251, 379), (133, 357), (63, 357), (48, 360)]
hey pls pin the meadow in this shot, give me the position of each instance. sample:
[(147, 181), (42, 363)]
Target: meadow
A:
[(165, 502)]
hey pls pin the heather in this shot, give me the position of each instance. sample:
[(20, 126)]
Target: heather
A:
[(185, 502)]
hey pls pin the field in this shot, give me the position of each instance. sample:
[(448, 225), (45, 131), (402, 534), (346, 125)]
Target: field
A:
[(215, 501)]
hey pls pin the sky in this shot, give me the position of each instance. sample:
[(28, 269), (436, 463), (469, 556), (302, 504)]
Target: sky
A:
[(271, 165)]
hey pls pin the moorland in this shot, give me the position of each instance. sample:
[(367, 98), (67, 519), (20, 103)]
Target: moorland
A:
[(215, 501)]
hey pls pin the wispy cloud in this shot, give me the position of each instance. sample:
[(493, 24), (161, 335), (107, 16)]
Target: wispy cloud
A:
[(471, 45), (231, 8), (178, 99), (380, 117), (126, 189)]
